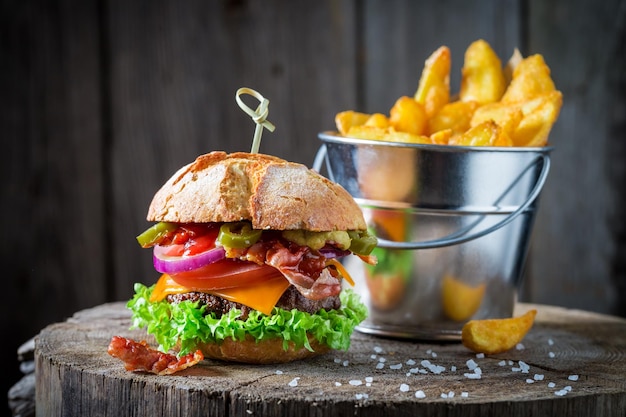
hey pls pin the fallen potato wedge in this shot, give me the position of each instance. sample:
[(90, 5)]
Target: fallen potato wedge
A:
[(491, 336)]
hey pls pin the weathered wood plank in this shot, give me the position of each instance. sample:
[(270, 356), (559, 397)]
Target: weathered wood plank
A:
[(375, 377), (53, 246), (578, 234), (174, 74)]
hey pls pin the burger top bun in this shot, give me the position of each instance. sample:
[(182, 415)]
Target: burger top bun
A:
[(268, 191)]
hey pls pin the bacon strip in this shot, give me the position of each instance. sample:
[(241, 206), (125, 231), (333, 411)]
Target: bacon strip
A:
[(305, 270), (138, 356)]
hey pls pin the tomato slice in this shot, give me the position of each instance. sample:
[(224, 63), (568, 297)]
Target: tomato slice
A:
[(227, 273)]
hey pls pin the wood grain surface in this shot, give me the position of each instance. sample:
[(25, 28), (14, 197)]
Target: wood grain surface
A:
[(571, 363)]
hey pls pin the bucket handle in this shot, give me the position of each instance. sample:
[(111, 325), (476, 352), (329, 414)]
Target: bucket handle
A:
[(462, 237)]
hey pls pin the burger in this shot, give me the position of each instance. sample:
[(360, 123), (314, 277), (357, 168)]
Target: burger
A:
[(249, 248)]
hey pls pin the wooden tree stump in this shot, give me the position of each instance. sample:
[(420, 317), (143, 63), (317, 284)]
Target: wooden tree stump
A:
[(571, 363)]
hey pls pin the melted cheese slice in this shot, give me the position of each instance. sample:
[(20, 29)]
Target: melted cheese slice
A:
[(259, 297)]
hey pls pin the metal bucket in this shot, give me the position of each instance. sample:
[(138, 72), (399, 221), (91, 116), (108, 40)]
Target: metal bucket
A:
[(453, 224)]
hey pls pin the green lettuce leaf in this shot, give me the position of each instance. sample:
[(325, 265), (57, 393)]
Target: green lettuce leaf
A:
[(186, 323)]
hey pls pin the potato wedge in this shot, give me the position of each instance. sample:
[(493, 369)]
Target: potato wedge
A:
[(482, 76), (484, 134), (433, 90), (346, 119), (507, 116), (512, 106), (408, 115), (442, 137), (535, 126), (511, 64), (531, 78), (367, 132), (377, 120), (406, 137), (455, 116), (491, 336)]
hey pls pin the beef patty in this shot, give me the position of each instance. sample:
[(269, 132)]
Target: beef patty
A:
[(290, 299)]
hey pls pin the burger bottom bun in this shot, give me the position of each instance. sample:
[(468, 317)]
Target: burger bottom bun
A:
[(260, 352)]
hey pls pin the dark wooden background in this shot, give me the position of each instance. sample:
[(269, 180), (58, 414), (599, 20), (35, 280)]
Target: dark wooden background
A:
[(103, 99)]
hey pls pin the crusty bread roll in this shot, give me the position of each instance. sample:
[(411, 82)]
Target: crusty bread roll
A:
[(262, 352), (270, 192)]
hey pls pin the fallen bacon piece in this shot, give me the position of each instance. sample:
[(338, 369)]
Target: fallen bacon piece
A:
[(138, 356)]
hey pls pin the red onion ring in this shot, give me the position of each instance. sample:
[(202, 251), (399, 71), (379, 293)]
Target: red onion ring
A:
[(175, 264), (331, 252)]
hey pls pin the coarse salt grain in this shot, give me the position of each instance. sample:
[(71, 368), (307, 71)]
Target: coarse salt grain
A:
[(278, 372), (551, 385), (345, 363), (444, 395), (480, 355), (413, 370), (337, 360), (294, 382), (373, 356), (396, 366), (451, 394), (530, 381), (381, 359), (550, 342), (433, 354), (551, 354), (502, 363), (524, 367), (404, 388), (520, 346), (472, 375), (538, 377), (355, 382), (380, 365), (471, 365), (420, 394), (464, 394), (337, 384), (410, 362), (573, 377), (453, 368), (369, 379), (378, 349), (363, 396)]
